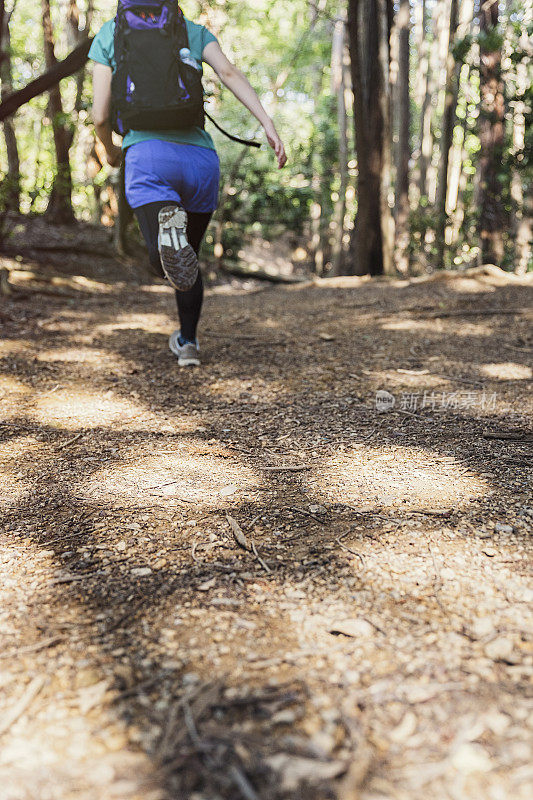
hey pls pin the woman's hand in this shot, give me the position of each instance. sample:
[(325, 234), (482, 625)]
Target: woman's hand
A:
[(113, 154), (275, 143)]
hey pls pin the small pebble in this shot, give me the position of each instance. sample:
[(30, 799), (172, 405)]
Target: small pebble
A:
[(141, 571)]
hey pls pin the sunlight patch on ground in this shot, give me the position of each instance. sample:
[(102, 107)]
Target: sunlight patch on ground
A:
[(156, 288), (12, 386), (78, 355), (507, 371), (404, 478), (152, 323), (475, 285), (72, 409), (12, 393), (408, 325), (11, 347), (391, 378), (158, 479), (439, 327)]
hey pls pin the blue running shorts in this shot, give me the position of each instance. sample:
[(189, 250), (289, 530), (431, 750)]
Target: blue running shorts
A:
[(182, 173)]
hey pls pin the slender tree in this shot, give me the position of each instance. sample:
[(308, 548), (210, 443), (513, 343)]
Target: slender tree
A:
[(338, 88), (369, 32), (491, 135), (60, 204), (75, 36), (448, 124), (11, 195), (403, 24)]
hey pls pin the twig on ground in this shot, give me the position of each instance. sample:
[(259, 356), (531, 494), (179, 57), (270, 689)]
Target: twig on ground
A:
[(18, 709), (287, 468), (70, 441), (193, 551), (33, 648), (129, 613), (518, 349), (263, 563), (438, 581), (306, 513), (190, 724), (349, 550), (71, 578), (62, 538), (141, 686), (480, 312), (518, 436), (243, 784)]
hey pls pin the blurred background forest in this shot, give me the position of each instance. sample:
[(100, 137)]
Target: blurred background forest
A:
[(406, 124)]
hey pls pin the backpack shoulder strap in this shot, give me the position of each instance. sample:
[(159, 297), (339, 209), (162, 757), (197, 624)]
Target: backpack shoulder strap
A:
[(248, 142)]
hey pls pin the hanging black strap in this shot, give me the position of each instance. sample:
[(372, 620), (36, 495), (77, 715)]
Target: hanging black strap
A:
[(249, 142)]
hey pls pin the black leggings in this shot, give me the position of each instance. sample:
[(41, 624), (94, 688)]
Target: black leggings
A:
[(189, 302)]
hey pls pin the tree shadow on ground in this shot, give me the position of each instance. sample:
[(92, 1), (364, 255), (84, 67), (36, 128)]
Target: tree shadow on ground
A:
[(216, 658)]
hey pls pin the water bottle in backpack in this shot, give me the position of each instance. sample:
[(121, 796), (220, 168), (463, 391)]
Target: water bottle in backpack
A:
[(186, 58)]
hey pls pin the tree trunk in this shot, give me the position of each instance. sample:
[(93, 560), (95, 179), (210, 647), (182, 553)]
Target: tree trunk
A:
[(2, 17), (439, 54), (521, 194), (368, 30), (425, 137), (491, 221), (75, 35), (404, 144), (448, 123), (11, 194), (59, 208), (338, 87)]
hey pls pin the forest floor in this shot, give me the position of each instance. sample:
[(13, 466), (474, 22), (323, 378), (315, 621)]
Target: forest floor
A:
[(243, 581)]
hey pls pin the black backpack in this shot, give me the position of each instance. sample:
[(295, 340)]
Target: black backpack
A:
[(152, 88)]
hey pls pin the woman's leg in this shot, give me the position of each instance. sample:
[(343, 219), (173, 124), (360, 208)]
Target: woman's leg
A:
[(189, 302)]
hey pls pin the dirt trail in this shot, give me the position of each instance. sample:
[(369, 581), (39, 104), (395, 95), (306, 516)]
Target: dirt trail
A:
[(372, 638)]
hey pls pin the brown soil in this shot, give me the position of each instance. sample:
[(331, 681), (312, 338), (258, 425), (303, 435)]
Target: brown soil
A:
[(370, 638)]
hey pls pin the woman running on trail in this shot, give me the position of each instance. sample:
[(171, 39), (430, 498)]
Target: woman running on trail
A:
[(172, 175)]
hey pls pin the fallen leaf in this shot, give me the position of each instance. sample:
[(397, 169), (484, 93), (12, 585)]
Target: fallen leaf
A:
[(294, 770), (499, 649), (92, 696), (405, 729), (141, 571), (238, 533), (470, 758), (206, 585), (357, 774), (226, 491), (352, 627), (482, 626)]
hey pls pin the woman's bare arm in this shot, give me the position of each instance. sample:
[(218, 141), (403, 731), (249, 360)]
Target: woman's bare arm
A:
[(237, 83), (100, 112)]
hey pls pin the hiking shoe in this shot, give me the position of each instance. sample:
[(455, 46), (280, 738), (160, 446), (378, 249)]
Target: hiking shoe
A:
[(188, 353), (178, 258)]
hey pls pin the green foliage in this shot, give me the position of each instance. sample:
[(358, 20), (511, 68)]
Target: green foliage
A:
[(490, 41), (288, 62), (461, 48)]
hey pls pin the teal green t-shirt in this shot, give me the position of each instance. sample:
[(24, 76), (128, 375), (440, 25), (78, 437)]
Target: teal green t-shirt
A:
[(103, 51)]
